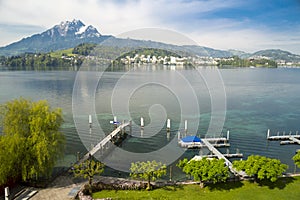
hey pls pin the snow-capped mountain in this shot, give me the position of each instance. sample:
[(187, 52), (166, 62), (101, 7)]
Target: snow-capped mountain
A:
[(67, 34), (74, 28)]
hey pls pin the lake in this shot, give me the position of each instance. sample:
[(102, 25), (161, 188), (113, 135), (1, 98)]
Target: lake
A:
[(245, 101)]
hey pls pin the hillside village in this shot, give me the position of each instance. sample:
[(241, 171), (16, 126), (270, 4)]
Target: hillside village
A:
[(85, 52), (204, 61)]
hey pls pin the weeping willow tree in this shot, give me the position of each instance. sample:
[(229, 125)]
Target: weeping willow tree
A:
[(31, 142)]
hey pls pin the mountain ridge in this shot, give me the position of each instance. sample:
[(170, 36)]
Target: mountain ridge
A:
[(69, 34)]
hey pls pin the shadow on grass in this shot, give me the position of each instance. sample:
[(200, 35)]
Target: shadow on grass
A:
[(172, 187), (225, 186), (281, 183)]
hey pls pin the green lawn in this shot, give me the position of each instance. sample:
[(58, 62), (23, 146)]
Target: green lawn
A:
[(284, 188), (59, 53)]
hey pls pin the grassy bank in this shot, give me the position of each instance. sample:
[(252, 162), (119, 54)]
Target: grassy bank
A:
[(284, 188)]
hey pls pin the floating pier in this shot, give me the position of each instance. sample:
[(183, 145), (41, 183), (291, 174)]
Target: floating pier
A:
[(288, 138), (196, 145), (227, 155), (211, 144), (195, 142)]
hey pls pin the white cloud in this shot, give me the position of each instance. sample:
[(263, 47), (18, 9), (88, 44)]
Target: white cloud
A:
[(248, 40), (111, 17)]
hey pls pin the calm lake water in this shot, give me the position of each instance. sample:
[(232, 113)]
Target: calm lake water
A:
[(256, 100)]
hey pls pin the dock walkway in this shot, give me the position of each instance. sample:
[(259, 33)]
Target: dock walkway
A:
[(103, 142), (288, 138), (221, 156)]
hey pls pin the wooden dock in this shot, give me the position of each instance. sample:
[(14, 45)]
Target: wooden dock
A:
[(215, 141), (221, 156), (292, 140), (103, 142), (197, 145), (230, 155), (237, 154), (227, 155), (288, 138)]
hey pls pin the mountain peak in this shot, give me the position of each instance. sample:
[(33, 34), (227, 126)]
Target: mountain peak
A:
[(74, 28), (66, 34)]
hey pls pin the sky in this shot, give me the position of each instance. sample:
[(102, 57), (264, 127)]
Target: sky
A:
[(246, 25)]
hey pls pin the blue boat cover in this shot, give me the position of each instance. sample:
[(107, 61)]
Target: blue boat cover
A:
[(191, 139)]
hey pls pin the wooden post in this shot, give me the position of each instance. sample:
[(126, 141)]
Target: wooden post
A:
[(6, 190), (168, 124), (268, 133), (115, 121), (227, 134), (142, 122), (90, 119)]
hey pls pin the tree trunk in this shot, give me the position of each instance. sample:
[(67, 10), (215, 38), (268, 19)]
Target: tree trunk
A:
[(148, 184), (90, 184), (202, 184), (90, 180)]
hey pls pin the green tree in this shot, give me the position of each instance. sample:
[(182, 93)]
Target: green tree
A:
[(84, 49), (31, 142), (205, 170), (296, 158), (88, 169), (150, 170), (261, 167)]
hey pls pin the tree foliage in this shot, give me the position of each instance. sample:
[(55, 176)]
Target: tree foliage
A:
[(31, 141), (239, 62), (88, 169), (296, 158), (150, 170), (84, 49), (205, 170), (40, 61), (261, 167)]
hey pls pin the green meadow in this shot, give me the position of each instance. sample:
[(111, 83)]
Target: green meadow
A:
[(284, 188)]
